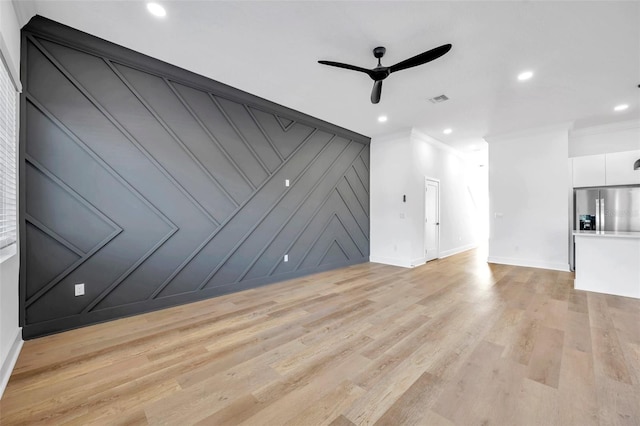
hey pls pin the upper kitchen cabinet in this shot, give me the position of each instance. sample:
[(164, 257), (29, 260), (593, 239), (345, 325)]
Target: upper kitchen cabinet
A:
[(617, 168), (605, 154), (621, 168), (589, 170)]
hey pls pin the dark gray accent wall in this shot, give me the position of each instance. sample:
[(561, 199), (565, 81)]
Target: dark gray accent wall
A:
[(155, 186)]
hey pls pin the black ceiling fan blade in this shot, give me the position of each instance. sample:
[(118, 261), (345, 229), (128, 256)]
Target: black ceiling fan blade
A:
[(345, 66), (422, 58), (376, 92)]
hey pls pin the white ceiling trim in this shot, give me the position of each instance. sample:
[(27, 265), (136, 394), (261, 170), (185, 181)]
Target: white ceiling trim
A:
[(556, 128), (607, 128), (392, 137), (423, 137)]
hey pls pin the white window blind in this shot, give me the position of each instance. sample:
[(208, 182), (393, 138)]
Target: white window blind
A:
[(8, 150)]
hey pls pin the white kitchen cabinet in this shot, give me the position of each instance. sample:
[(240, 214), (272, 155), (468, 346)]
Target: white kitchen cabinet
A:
[(589, 171), (607, 262), (619, 168)]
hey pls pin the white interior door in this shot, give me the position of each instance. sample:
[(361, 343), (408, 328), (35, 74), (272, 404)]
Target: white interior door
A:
[(431, 219)]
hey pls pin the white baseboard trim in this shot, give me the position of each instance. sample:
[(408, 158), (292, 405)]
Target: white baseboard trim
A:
[(530, 263), (7, 366), (418, 262), (392, 261), (421, 260), (456, 250)]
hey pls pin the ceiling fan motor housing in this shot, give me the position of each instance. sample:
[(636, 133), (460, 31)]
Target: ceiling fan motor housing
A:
[(379, 52), (380, 72)]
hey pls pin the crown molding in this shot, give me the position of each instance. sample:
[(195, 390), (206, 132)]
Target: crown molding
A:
[(390, 137), (423, 137), (618, 126), (560, 127), (413, 134)]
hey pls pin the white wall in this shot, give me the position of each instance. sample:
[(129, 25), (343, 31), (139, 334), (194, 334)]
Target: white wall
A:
[(609, 138), (461, 195), (399, 164), (10, 36), (390, 240), (529, 202), (10, 336)]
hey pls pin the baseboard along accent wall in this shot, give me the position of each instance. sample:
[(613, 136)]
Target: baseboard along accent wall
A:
[(154, 186)]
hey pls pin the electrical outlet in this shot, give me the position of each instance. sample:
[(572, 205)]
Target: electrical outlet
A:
[(79, 289), (286, 257), (286, 182)]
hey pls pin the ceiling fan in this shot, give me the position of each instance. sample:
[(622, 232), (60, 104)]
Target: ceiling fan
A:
[(381, 72)]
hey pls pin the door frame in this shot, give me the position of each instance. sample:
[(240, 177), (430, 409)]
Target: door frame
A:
[(424, 217)]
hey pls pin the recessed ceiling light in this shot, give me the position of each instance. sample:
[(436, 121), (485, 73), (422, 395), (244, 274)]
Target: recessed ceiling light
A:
[(156, 9), (382, 118), (526, 75), (447, 131), (621, 107)]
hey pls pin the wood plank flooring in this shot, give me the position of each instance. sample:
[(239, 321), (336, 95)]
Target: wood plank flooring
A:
[(454, 342)]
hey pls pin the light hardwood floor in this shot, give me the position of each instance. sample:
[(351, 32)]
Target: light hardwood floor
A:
[(456, 341)]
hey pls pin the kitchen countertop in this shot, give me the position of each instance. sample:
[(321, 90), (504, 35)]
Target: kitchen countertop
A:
[(609, 234)]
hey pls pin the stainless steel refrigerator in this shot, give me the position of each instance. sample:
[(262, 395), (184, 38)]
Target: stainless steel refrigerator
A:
[(606, 209)]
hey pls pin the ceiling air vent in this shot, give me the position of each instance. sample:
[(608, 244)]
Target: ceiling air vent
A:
[(438, 99)]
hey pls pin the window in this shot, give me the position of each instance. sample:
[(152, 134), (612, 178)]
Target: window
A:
[(8, 150)]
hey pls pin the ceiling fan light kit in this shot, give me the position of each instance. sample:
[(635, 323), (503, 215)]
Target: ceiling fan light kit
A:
[(381, 72)]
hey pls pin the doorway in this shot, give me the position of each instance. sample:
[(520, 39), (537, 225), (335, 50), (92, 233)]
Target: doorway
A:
[(431, 218)]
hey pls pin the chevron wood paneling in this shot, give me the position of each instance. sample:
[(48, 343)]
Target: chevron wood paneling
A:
[(155, 186)]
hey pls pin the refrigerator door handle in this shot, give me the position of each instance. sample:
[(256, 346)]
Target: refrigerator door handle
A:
[(601, 214), (597, 214)]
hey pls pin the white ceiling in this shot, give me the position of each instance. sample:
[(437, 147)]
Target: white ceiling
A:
[(585, 55)]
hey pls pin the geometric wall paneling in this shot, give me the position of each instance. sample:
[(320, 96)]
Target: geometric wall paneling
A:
[(44, 269), (154, 186)]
